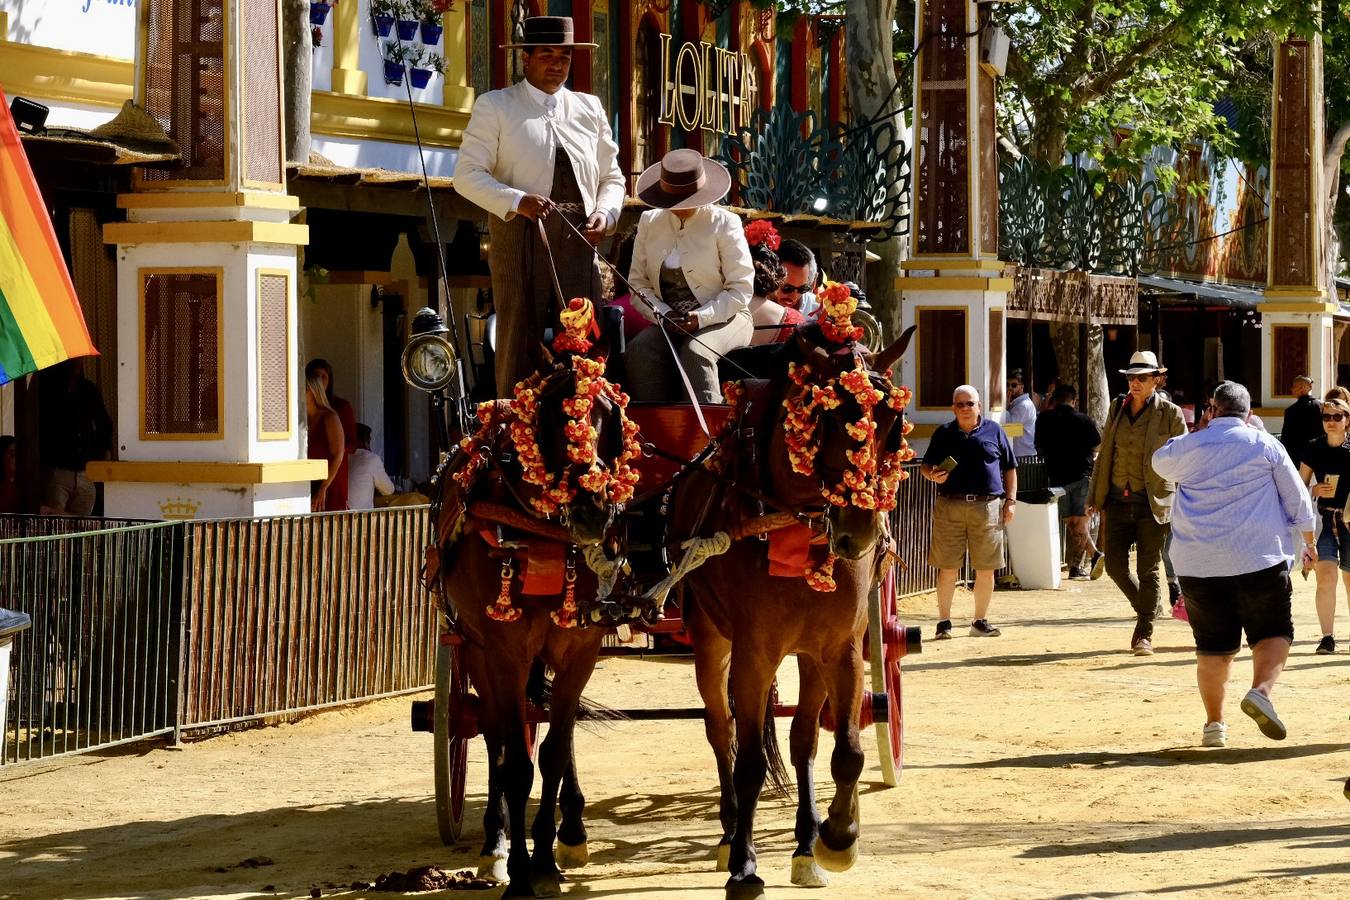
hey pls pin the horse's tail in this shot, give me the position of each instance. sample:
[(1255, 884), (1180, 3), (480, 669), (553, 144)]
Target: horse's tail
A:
[(539, 690), (774, 766)]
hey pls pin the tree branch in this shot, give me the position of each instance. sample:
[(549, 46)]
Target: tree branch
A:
[(1097, 86)]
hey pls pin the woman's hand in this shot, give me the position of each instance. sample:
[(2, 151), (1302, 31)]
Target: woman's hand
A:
[(320, 496), (1323, 489), (686, 323)]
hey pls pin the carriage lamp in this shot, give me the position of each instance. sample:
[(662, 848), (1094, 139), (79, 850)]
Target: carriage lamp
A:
[(429, 359)]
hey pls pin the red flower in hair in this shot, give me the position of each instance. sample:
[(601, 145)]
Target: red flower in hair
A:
[(762, 233)]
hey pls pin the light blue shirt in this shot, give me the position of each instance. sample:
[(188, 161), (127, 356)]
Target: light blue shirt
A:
[(1238, 500), (1023, 411)]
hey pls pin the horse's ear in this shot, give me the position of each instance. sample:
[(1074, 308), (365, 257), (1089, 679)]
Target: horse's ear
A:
[(888, 357), (545, 355)]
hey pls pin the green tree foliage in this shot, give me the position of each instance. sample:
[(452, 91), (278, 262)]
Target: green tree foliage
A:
[(1081, 70)]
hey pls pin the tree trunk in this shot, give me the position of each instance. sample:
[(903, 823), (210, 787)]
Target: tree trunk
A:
[(872, 91), (297, 54), (1337, 208), (1068, 349)]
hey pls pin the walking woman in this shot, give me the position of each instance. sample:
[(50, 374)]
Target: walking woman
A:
[(691, 274), (1326, 467), (325, 442)]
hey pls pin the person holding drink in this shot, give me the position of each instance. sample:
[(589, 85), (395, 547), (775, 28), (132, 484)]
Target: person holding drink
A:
[(1325, 466)]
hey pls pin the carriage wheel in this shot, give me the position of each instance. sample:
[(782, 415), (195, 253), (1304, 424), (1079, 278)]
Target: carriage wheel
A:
[(452, 750), (885, 677)]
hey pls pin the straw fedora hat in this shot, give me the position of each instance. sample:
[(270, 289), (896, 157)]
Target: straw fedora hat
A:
[(683, 179), (548, 31), (1144, 362)]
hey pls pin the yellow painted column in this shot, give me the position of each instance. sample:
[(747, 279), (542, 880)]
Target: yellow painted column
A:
[(347, 24), (458, 94)]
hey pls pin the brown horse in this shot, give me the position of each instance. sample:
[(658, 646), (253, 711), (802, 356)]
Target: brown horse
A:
[(744, 621), (547, 470)]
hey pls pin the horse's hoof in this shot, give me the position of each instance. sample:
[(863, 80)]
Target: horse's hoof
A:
[(493, 868), (749, 887), (546, 884), (805, 872), (835, 860), (517, 890), (569, 857), (724, 857)]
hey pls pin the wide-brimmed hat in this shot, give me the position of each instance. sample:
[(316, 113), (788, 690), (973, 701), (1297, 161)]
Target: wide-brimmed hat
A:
[(547, 31), (1144, 362), (683, 179)]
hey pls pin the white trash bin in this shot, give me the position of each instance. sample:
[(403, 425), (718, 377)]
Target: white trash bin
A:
[(1033, 545), (11, 623)]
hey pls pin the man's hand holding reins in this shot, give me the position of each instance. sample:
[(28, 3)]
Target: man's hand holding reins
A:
[(535, 206), (594, 229)]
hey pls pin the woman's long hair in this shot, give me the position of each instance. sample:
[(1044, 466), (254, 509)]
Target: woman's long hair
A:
[(316, 388)]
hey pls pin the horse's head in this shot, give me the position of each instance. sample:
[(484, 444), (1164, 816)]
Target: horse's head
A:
[(842, 436), (573, 438)]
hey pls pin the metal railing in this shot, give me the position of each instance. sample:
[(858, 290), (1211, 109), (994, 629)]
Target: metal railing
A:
[(145, 630), (912, 526), (293, 614), (95, 668)]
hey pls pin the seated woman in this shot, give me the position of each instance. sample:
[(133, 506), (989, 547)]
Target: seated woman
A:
[(693, 276)]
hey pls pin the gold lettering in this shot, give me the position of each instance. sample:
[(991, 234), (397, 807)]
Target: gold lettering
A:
[(708, 87), (712, 84), (669, 83), (690, 89)]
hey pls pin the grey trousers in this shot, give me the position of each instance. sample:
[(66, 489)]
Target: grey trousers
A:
[(651, 371)]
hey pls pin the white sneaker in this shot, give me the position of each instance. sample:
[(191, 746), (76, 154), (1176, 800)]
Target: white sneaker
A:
[(1215, 735)]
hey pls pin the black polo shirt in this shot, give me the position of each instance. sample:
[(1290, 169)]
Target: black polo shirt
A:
[(1302, 425), (1065, 439), (982, 456)]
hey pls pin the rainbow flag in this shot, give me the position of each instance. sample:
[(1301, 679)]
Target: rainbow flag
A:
[(40, 319)]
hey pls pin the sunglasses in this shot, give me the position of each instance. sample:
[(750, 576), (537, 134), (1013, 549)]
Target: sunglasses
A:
[(796, 288), (1144, 377), (965, 404), (1332, 417)]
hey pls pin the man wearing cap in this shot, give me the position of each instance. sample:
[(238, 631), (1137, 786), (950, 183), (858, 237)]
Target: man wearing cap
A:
[(1302, 420), (1136, 502), (537, 152)]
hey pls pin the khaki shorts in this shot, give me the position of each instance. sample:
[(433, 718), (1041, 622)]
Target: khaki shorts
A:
[(959, 525)]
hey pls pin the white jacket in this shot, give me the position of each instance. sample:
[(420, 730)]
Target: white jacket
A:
[(713, 255), (507, 151)]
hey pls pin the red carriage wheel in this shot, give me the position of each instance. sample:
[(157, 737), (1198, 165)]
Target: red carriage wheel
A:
[(881, 609), (452, 746)]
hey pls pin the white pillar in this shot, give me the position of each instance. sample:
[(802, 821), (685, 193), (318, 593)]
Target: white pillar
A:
[(209, 385)]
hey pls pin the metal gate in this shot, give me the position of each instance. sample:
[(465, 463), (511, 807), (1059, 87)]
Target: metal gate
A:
[(151, 629)]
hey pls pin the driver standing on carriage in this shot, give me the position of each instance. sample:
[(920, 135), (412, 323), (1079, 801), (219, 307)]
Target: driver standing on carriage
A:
[(537, 151)]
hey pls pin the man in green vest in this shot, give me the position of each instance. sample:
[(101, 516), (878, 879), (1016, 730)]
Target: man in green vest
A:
[(1135, 501)]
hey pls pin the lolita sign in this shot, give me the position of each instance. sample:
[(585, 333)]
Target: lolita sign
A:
[(706, 87)]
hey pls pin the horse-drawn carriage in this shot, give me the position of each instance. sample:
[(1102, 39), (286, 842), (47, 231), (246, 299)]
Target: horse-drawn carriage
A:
[(585, 514)]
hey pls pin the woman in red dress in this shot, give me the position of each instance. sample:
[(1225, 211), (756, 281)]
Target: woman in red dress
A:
[(325, 442)]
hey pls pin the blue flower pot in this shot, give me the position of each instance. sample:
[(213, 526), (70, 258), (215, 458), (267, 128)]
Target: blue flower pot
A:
[(393, 72), (431, 34), (383, 25), (419, 77), (407, 29), (318, 13)]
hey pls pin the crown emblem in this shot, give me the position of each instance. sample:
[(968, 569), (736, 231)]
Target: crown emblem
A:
[(179, 508)]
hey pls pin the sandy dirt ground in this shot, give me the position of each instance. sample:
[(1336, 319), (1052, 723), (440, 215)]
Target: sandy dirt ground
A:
[(1044, 763)]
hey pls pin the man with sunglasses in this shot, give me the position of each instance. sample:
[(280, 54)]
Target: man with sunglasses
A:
[(1135, 501), (972, 463), (1238, 498), (798, 289)]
